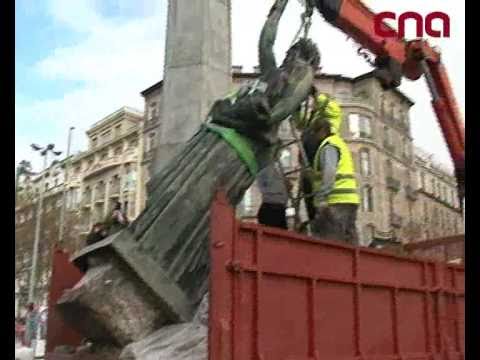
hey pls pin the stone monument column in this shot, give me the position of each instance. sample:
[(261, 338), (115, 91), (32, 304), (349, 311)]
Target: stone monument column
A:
[(197, 70)]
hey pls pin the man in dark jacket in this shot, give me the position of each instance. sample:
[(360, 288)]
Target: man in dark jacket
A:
[(97, 234)]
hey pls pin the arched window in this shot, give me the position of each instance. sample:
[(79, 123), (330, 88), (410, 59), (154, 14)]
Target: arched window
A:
[(365, 165), (367, 198)]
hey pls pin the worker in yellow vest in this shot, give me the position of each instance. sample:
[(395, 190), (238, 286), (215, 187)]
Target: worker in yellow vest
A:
[(331, 188)]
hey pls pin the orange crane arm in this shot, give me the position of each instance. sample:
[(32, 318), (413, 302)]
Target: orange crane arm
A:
[(397, 58)]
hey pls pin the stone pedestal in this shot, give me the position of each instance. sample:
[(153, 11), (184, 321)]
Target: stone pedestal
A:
[(110, 304), (197, 70)]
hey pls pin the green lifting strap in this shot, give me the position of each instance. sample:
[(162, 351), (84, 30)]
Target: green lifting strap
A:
[(239, 143)]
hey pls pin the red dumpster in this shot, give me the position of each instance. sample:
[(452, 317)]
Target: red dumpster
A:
[(64, 276), (278, 295)]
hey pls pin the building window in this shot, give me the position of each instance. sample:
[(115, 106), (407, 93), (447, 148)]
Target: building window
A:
[(118, 150), (360, 126), (94, 142), (104, 156), (432, 190), (367, 198), (365, 168), (152, 111)]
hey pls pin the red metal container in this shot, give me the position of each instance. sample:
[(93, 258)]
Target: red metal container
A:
[(277, 295), (64, 276)]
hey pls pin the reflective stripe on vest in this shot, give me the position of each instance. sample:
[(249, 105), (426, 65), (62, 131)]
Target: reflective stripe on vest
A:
[(345, 187)]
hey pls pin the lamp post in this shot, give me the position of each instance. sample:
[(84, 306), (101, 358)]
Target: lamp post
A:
[(65, 187), (33, 273)]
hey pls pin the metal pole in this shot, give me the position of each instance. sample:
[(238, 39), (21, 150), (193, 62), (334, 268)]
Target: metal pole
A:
[(33, 272), (65, 186), (139, 185)]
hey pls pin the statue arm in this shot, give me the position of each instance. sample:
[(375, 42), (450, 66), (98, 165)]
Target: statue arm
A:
[(291, 103), (267, 37)]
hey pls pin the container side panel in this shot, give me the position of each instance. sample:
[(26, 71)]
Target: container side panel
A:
[(283, 319), (460, 280), (411, 310), (245, 316), (335, 320), (246, 248), (376, 326), (391, 270), (64, 276), (305, 258), (461, 321)]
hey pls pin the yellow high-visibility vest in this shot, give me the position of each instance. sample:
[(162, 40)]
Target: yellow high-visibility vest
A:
[(345, 188)]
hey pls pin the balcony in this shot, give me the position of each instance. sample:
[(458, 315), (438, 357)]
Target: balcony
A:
[(393, 184), (411, 193), (396, 220)]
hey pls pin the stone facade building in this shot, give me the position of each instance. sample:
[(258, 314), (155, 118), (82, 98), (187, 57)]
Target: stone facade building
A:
[(106, 173)]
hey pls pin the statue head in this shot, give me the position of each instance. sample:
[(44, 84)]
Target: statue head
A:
[(303, 50)]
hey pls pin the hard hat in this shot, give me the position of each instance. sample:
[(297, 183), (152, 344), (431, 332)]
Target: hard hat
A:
[(327, 108)]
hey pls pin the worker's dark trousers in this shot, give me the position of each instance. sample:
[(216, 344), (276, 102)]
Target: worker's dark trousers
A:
[(273, 215), (337, 223)]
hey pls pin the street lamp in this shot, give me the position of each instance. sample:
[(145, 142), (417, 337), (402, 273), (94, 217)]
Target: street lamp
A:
[(65, 185), (33, 273)]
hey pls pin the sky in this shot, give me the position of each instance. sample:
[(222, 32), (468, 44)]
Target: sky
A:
[(78, 61)]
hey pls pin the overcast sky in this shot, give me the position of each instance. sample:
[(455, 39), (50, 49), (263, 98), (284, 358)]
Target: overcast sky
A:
[(78, 61)]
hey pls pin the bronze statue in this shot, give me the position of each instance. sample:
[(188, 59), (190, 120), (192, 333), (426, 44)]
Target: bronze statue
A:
[(167, 246), (173, 229)]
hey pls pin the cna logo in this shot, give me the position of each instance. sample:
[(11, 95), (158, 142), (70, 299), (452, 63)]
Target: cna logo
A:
[(421, 24)]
